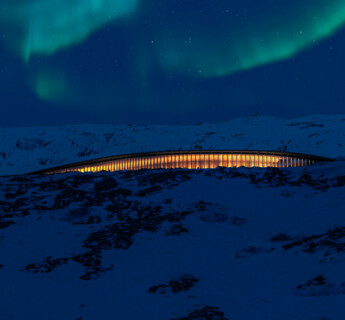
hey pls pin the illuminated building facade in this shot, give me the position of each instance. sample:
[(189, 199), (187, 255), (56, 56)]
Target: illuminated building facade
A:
[(196, 159)]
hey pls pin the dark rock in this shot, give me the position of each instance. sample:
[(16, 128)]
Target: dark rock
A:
[(251, 251), (150, 190), (46, 266), (91, 260), (203, 206), (238, 221), (340, 181), (5, 224), (183, 283), (317, 281), (77, 213), (161, 289), (331, 242), (280, 237), (108, 136), (9, 195), (205, 313), (31, 144), (86, 152), (318, 287), (176, 230), (120, 192), (106, 184), (213, 216)]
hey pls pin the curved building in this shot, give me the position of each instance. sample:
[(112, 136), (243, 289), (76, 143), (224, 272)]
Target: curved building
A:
[(194, 159)]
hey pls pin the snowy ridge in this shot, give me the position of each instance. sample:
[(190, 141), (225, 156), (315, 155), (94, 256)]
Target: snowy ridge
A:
[(29, 149), (174, 245), (219, 244)]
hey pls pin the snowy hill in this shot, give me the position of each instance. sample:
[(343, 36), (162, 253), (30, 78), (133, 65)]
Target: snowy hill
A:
[(29, 149), (237, 244), (219, 244)]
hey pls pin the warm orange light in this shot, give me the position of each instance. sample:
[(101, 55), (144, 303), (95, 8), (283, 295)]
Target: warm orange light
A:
[(200, 160)]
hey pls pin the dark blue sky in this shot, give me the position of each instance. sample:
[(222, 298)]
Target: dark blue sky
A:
[(170, 61)]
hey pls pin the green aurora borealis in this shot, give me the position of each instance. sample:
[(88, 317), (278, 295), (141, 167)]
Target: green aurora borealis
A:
[(45, 26), (242, 43), (114, 54), (230, 44)]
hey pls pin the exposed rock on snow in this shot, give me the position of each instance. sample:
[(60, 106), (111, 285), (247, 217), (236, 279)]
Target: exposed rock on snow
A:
[(30, 149), (220, 244), (182, 283)]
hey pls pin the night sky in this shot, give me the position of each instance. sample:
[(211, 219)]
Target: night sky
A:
[(169, 61)]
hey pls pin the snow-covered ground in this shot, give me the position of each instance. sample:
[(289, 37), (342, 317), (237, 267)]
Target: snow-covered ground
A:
[(23, 150), (236, 244)]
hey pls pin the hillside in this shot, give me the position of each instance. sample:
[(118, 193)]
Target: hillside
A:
[(218, 244), (29, 149)]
